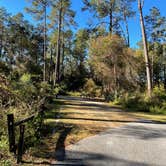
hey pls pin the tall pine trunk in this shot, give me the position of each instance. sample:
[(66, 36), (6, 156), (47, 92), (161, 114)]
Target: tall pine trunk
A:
[(147, 62), (1, 40), (127, 30), (115, 61), (63, 56), (164, 76), (110, 19), (45, 36), (58, 51), (51, 68)]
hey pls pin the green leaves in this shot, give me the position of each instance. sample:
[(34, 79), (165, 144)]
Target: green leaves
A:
[(25, 78), (155, 24)]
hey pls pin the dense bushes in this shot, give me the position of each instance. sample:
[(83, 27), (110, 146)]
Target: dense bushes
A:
[(22, 96), (158, 104), (139, 101), (90, 89)]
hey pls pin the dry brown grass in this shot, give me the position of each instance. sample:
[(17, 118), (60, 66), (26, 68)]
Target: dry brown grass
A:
[(76, 120)]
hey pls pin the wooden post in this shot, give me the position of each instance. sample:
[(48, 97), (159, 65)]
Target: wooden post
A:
[(20, 144), (11, 134)]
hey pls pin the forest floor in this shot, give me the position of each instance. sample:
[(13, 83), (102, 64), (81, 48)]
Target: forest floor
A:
[(75, 120)]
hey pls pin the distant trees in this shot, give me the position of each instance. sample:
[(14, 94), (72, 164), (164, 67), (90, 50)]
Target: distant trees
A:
[(39, 9), (112, 13), (75, 67), (61, 17), (126, 12), (155, 28), (21, 43), (103, 9)]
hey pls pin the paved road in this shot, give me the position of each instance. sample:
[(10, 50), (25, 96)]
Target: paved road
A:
[(135, 144)]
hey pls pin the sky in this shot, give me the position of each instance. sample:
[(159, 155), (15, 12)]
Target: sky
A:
[(15, 6)]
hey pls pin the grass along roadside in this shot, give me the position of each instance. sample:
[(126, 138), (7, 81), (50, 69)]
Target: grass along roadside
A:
[(140, 114), (67, 122), (149, 116), (73, 121)]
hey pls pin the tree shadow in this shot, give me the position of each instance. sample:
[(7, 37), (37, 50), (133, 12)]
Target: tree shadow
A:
[(60, 145), (68, 157), (77, 158), (42, 151)]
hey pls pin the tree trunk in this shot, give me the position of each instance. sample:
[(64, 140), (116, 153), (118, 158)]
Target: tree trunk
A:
[(63, 56), (111, 19), (57, 66), (1, 40), (127, 30), (148, 71), (165, 76), (51, 66), (152, 69), (115, 78), (45, 36)]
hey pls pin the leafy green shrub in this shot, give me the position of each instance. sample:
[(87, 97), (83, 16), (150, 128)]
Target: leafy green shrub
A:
[(62, 88), (56, 90), (159, 95), (109, 96), (33, 134), (44, 89), (158, 101), (135, 102), (25, 89), (7, 97), (139, 102), (158, 110), (75, 94), (5, 158), (90, 89), (98, 92), (159, 92)]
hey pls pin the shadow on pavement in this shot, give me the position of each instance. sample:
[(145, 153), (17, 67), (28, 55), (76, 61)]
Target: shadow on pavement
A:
[(60, 145), (75, 158), (94, 159)]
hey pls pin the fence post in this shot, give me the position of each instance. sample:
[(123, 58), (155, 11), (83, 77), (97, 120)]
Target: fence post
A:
[(20, 144), (11, 134)]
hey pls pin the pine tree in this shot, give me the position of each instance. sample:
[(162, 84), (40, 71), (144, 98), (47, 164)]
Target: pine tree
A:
[(155, 29), (104, 9), (61, 17), (126, 11), (147, 61), (39, 10)]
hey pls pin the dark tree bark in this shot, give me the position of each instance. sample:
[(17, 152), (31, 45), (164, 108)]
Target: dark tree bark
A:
[(111, 18), (45, 38), (127, 31), (57, 66), (165, 76)]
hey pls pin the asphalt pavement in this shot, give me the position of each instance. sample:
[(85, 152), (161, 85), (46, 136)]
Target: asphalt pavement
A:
[(135, 144)]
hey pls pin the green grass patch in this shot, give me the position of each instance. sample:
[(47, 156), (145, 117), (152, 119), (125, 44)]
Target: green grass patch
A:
[(150, 116)]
